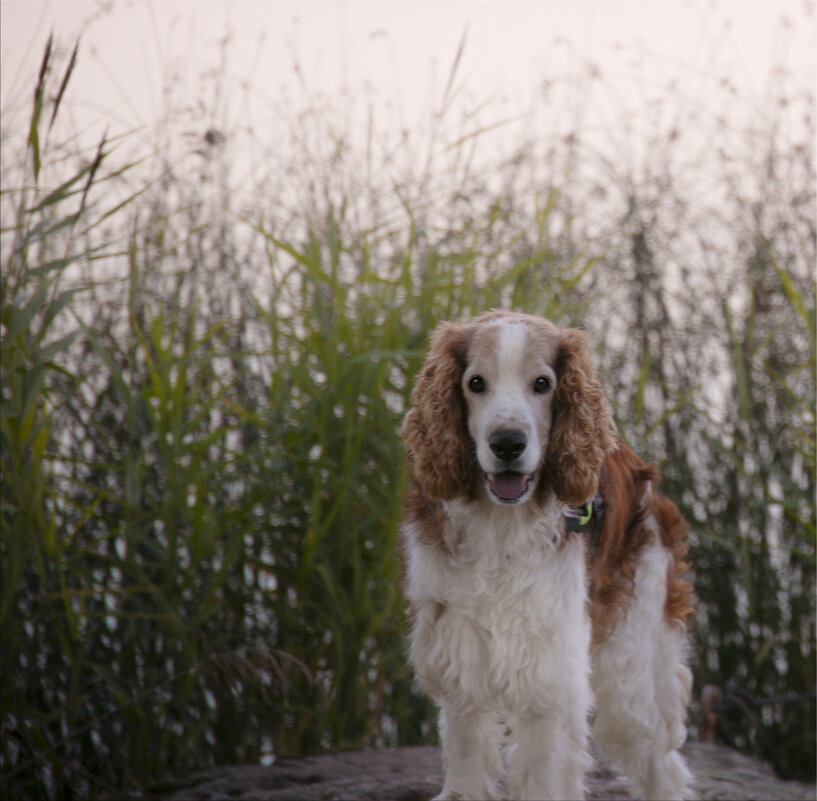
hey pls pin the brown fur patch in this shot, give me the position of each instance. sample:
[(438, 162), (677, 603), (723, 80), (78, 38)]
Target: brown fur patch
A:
[(623, 484)]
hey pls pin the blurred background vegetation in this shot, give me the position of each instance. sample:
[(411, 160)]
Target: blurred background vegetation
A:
[(201, 391)]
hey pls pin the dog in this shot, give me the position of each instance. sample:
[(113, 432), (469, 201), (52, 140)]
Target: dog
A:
[(544, 574)]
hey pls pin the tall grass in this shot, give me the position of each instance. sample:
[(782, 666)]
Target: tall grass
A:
[(201, 472)]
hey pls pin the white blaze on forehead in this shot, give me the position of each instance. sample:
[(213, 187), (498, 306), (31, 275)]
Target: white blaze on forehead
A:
[(513, 338), (508, 406)]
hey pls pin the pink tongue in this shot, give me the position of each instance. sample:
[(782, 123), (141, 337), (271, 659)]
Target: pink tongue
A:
[(508, 486)]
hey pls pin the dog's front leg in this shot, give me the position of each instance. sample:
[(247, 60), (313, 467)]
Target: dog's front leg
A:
[(550, 756), (470, 754)]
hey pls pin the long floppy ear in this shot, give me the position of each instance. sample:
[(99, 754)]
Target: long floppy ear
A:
[(581, 432), (435, 431)]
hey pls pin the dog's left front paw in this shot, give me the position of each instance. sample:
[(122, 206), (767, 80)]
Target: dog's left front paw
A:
[(450, 795)]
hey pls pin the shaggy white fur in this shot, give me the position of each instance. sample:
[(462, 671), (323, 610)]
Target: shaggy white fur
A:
[(501, 638), (643, 687)]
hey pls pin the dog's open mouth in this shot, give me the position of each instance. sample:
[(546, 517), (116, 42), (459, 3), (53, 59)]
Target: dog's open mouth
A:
[(508, 486)]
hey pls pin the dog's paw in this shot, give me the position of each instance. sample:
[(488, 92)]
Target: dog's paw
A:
[(464, 795)]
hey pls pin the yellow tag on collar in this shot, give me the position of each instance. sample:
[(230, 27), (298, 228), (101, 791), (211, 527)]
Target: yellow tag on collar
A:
[(586, 513)]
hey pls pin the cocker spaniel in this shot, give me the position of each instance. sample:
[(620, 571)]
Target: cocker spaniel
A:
[(542, 569)]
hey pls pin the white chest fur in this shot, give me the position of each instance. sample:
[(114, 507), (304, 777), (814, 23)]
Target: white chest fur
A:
[(500, 620)]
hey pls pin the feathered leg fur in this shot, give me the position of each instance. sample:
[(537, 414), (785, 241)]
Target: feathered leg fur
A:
[(643, 687)]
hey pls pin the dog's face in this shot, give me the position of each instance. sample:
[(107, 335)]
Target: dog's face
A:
[(508, 385), (508, 405)]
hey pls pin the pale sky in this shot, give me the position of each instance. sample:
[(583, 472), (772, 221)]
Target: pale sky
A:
[(403, 49)]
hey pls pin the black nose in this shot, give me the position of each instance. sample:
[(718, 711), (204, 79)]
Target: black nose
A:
[(508, 444)]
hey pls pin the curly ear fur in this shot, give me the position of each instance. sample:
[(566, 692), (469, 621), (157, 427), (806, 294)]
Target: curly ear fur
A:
[(440, 452), (581, 432)]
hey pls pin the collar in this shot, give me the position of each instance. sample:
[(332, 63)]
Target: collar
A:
[(586, 518)]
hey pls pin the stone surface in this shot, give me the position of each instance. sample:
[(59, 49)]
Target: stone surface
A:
[(414, 774)]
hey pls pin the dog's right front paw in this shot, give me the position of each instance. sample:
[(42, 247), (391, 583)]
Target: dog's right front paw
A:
[(471, 794)]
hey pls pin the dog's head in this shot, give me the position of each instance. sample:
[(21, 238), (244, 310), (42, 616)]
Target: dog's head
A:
[(507, 405)]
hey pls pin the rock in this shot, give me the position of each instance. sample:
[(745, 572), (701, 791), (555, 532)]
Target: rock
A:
[(415, 774), (723, 773), (407, 774)]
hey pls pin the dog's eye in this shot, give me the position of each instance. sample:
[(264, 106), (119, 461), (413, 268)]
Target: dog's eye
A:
[(477, 384), (541, 385)]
